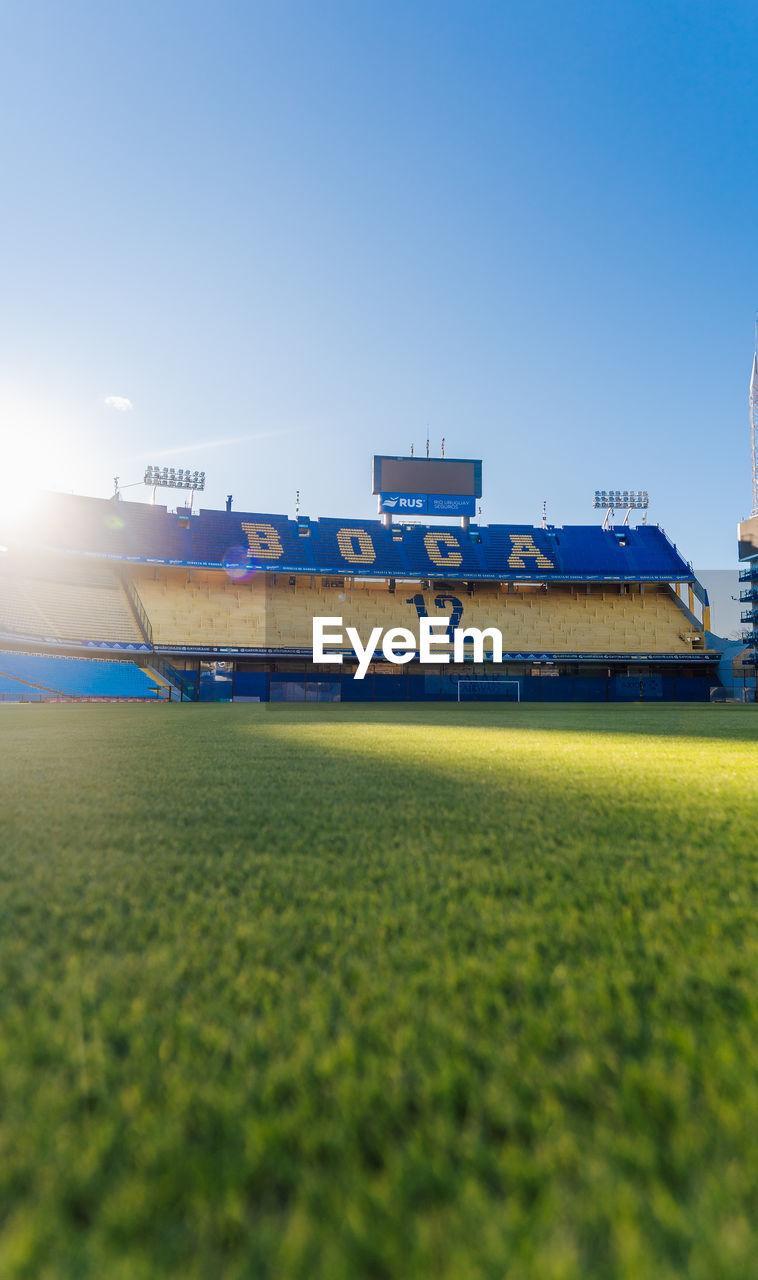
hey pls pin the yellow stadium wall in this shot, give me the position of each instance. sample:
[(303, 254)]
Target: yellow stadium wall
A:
[(205, 607)]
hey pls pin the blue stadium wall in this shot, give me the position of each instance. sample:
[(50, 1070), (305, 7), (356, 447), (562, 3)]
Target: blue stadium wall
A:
[(138, 533), (210, 682)]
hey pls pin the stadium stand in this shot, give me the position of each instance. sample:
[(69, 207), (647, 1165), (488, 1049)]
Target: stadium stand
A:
[(134, 531), (40, 677), (64, 599), (271, 613), (199, 607), (223, 603)]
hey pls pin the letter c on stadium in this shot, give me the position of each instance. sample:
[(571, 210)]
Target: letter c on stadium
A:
[(434, 543)]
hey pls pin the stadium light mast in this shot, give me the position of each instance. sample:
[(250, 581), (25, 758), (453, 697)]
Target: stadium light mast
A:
[(753, 401), (613, 500), (174, 478), (117, 488)]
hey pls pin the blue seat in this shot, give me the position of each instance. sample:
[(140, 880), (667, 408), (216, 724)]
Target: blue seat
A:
[(42, 676)]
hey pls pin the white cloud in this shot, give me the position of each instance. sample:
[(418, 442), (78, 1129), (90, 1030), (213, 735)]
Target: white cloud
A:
[(119, 402)]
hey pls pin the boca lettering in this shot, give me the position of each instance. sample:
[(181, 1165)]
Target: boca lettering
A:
[(263, 541), (443, 550), (522, 549), (356, 546)]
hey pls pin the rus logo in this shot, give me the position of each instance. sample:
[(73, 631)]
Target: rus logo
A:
[(393, 500)]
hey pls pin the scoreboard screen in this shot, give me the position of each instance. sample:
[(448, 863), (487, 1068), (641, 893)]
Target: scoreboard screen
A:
[(460, 476)]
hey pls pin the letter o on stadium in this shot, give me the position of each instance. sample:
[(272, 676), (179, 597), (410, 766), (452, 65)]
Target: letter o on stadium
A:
[(434, 542), (356, 546)]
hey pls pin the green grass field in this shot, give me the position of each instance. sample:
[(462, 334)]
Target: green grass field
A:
[(334, 993)]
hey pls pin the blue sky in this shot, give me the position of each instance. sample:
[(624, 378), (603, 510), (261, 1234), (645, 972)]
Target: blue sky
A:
[(325, 226)]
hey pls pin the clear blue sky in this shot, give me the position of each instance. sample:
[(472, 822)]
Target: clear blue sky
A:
[(326, 225)]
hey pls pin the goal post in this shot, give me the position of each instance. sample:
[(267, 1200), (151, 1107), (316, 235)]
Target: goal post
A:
[(489, 691)]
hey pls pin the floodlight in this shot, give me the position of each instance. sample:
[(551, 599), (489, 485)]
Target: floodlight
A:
[(618, 499), (174, 478)]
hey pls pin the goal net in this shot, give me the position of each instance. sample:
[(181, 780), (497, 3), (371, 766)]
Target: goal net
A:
[(489, 691)]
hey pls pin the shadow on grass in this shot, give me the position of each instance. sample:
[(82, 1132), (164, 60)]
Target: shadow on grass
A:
[(706, 721), (721, 722)]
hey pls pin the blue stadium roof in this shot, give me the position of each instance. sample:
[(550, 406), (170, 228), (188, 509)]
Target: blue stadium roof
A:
[(135, 531)]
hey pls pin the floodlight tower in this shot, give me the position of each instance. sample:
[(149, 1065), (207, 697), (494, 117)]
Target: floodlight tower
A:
[(174, 478), (613, 500)]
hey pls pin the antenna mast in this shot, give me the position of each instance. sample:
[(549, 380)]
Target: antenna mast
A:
[(754, 422)]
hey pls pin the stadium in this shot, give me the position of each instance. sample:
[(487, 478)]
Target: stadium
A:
[(378, 869), (392, 986), (116, 599)]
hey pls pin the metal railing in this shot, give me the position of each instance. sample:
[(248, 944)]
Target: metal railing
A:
[(138, 609), (184, 688)]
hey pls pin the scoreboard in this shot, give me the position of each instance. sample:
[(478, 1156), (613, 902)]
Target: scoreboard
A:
[(427, 486)]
